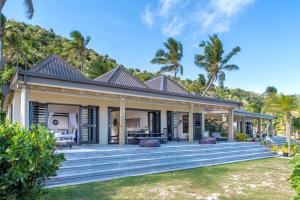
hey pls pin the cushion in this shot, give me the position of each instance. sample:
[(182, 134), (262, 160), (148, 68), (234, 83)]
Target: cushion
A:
[(208, 140), (149, 143)]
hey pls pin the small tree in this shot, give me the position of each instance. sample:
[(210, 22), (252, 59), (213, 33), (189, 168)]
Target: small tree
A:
[(27, 160), (286, 104)]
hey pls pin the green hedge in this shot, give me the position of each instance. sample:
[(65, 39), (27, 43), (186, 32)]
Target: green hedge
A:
[(27, 160)]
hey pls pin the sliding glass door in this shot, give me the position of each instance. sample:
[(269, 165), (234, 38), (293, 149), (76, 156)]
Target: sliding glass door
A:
[(89, 125), (197, 126)]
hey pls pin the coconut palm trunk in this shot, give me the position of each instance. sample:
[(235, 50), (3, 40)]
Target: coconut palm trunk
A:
[(288, 131), (209, 84)]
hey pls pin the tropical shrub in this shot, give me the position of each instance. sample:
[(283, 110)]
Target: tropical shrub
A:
[(240, 137), (274, 148), (27, 160), (294, 148), (295, 177)]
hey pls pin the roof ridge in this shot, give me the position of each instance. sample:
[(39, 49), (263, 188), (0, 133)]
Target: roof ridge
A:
[(121, 68), (117, 71), (70, 66), (176, 83), (43, 62), (110, 71)]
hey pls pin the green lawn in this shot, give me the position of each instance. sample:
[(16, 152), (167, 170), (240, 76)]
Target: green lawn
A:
[(260, 179)]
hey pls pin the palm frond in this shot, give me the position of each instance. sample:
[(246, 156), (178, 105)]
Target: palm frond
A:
[(29, 8), (160, 53), (77, 36), (160, 61), (166, 68), (231, 67), (87, 40), (233, 52)]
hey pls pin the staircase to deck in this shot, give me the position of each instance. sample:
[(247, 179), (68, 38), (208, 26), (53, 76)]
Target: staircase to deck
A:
[(280, 140), (111, 163)]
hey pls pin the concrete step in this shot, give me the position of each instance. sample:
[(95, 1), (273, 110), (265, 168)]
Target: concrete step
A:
[(115, 162), (139, 150), (95, 158), (88, 168), (150, 169)]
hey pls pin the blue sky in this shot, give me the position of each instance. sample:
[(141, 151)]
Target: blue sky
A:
[(130, 31)]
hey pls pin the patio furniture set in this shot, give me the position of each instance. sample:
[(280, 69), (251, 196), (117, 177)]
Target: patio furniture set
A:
[(134, 137)]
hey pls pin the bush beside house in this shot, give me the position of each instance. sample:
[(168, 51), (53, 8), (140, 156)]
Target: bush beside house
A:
[(241, 137), (27, 160)]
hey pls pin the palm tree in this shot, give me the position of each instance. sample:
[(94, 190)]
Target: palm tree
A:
[(214, 62), (170, 59), (29, 12), (78, 47), (296, 125), (286, 104)]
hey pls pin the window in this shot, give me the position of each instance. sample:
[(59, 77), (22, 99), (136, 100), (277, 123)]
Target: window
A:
[(185, 123), (133, 123)]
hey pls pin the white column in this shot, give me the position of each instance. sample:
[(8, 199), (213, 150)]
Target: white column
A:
[(163, 120), (271, 127), (191, 124), (259, 126), (122, 121), (16, 107), (24, 108), (203, 122), (103, 125), (230, 125)]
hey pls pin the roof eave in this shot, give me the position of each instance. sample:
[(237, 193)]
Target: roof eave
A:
[(146, 90)]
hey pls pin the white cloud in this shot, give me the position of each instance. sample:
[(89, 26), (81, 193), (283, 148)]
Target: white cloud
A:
[(219, 13), (174, 27), (147, 17), (230, 7), (166, 5), (175, 16)]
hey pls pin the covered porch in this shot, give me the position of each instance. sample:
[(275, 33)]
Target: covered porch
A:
[(95, 114), (252, 124)]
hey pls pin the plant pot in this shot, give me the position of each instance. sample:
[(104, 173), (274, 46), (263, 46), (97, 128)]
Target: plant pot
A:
[(285, 154)]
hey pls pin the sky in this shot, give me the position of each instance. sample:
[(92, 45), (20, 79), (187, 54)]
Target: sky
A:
[(130, 31)]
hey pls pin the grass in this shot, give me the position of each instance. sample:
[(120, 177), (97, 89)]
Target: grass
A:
[(260, 179)]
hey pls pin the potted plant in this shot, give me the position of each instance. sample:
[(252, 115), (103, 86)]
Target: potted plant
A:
[(146, 129), (285, 151)]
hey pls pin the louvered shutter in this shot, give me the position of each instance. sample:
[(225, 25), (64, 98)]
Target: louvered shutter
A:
[(38, 113)]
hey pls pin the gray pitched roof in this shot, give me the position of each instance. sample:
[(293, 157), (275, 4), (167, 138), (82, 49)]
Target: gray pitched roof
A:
[(56, 66), (241, 112), (119, 76), (163, 83)]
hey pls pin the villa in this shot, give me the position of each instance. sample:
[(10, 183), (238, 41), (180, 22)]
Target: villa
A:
[(110, 108)]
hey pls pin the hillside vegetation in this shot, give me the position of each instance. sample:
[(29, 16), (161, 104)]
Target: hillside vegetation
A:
[(25, 45)]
